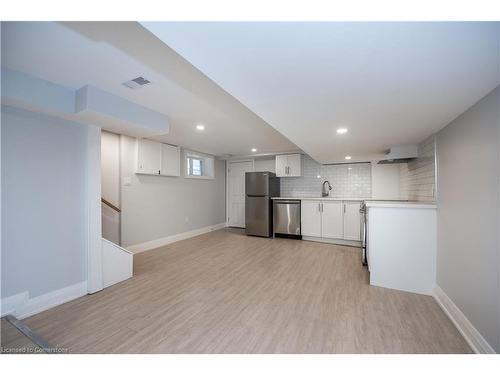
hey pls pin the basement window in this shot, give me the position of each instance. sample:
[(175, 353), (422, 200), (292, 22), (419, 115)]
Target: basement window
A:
[(199, 166), (194, 166)]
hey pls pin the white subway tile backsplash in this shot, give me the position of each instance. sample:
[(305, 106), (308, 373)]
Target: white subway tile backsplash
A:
[(417, 178), (348, 180)]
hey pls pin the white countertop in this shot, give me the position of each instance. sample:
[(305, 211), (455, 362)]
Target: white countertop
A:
[(395, 204), (321, 198), (342, 199), (370, 202)]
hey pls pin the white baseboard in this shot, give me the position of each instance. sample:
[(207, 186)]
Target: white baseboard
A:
[(9, 304), (150, 245), (476, 341), (21, 306), (333, 241)]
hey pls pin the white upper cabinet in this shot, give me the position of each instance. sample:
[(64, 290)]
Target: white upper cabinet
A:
[(170, 160), (310, 218), (352, 220), (332, 221), (281, 165), (149, 157), (294, 165), (158, 158), (289, 165)]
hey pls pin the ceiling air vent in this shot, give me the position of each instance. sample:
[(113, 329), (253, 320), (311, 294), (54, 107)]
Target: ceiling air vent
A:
[(136, 83)]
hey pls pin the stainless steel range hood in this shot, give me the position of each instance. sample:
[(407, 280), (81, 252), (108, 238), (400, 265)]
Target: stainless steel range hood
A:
[(400, 154)]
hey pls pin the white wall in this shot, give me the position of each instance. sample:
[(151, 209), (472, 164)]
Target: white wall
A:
[(44, 206), (468, 215), (385, 181), (265, 164), (154, 207)]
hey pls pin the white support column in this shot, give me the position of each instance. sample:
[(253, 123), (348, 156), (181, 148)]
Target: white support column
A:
[(94, 243)]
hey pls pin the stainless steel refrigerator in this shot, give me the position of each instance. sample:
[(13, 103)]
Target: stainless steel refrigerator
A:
[(259, 188)]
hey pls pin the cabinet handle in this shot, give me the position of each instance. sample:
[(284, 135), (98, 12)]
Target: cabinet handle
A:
[(319, 207), (344, 207)]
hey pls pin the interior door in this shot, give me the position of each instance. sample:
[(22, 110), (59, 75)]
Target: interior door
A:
[(332, 220), (310, 218), (352, 220), (236, 192)]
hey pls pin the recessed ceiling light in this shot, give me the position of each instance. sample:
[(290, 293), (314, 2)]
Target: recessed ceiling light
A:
[(254, 150), (200, 127), (342, 130), (347, 157), (318, 176)]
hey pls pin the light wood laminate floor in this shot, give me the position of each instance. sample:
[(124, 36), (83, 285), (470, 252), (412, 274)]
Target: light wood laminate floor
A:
[(224, 292), (13, 341)]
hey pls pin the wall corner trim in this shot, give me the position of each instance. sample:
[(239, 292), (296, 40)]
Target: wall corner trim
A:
[(476, 341), (150, 245), (21, 306)]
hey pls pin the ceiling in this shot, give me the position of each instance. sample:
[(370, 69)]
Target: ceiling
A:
[(105, 54), (388, 83)]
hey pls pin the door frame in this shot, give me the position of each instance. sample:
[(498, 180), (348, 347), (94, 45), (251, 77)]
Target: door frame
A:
[(93, 203), (227, 181)]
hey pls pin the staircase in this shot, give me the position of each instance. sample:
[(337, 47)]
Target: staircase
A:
[(117, 263)]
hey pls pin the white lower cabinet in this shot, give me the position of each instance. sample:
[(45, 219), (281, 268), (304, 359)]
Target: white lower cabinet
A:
[(331, 219), (332, 224), (310, 221), (352, 220)]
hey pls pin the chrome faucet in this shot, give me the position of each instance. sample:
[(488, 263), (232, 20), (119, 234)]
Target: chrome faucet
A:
[(324, 192)]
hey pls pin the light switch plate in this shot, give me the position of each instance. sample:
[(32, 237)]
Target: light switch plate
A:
[(127, 181)]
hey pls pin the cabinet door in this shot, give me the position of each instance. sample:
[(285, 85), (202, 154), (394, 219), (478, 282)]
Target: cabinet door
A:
[(294, 165), (281, 165), (149, 157), (332, 220), (170, 160), (352, 221), (310, 218)]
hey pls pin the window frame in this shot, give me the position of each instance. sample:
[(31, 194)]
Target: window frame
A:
[(207, 165), (190, 167)]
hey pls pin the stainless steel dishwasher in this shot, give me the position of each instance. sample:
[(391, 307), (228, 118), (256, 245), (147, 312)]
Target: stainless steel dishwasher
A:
[(286, 218)]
